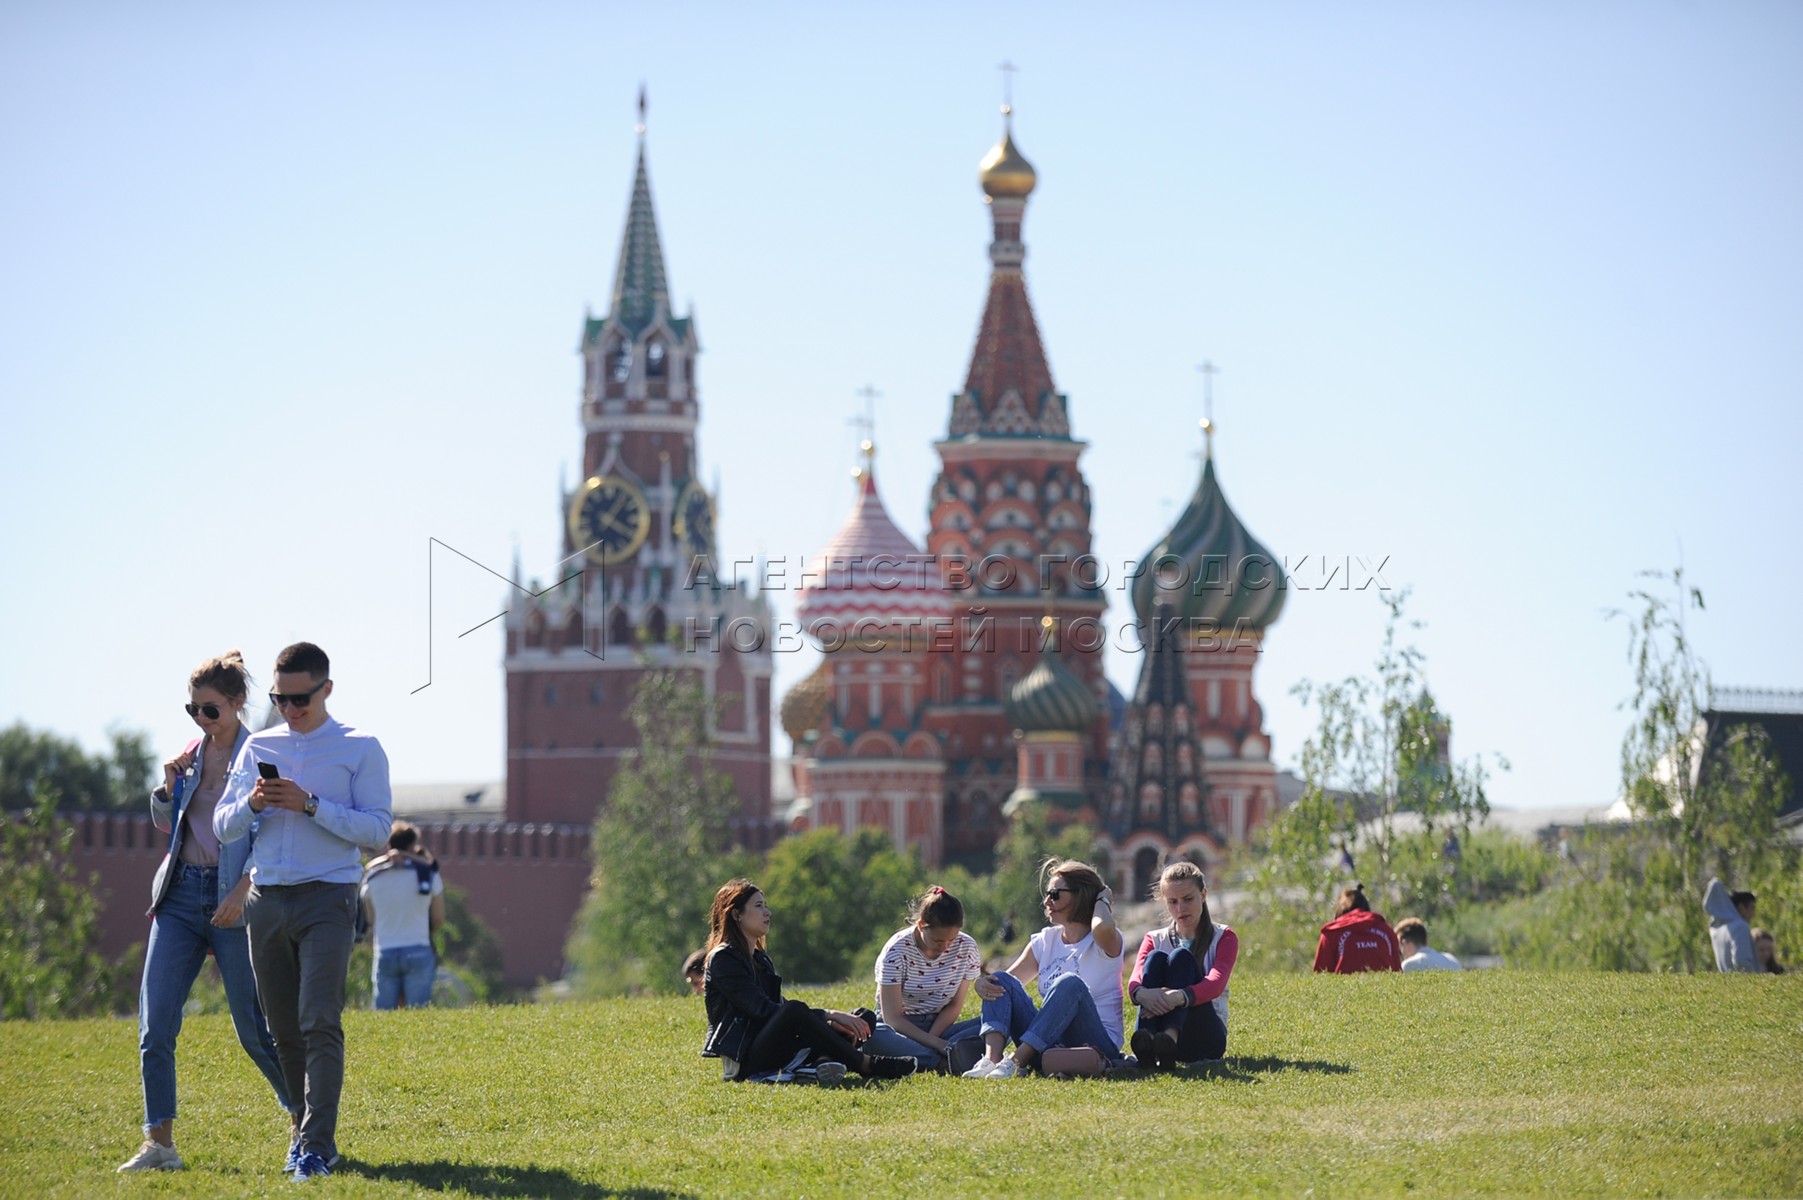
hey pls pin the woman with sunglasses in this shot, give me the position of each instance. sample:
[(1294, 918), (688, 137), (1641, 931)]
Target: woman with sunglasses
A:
[(197, 908), (1076, 959)]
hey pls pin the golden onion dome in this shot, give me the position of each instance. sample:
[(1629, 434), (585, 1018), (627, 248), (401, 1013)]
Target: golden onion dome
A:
[(804, 709), (1004, 171)]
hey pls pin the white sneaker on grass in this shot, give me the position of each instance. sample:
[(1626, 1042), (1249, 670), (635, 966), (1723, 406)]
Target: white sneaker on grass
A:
[(1006, 1069), (153, 1156), (829, 1072), (982, 1069)]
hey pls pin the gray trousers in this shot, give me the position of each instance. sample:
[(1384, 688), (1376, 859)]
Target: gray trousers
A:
[(300, 950)]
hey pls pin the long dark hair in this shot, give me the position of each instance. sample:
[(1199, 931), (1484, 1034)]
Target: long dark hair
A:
[(722, 919)]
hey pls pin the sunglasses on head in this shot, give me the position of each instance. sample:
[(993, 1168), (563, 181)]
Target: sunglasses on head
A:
[(211, 710), (1052, 894), (298, 699)]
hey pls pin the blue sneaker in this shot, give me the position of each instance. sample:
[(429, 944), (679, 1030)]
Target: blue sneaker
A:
[(294, 1156), (310, 1166)]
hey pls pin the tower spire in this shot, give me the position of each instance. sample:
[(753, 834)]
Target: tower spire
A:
[(1009, 356), (641, 287), (1209, 371)]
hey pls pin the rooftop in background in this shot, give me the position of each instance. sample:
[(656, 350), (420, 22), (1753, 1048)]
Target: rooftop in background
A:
[(450, 801), (1755, 700)]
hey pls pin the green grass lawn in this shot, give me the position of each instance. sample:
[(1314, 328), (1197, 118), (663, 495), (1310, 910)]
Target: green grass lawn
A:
[(1484, 1082)]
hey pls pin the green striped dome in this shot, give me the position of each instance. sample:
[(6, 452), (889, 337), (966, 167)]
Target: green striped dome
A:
[(1209, 568), (1050, 698)]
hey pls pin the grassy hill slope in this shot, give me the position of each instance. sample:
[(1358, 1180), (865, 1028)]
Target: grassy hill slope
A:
[(1485, 1082)]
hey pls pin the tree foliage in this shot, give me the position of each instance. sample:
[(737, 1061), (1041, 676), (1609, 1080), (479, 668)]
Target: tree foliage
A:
[(661, 848), (1634, 899), (49, 921), (117, 780), (834, 899), (1375, 755)]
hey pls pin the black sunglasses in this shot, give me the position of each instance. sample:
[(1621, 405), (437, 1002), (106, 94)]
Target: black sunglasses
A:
[(194, 710), (299, 699), (1052, 894)]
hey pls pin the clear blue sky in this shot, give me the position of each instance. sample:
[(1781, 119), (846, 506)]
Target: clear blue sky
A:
[(1500, 292)]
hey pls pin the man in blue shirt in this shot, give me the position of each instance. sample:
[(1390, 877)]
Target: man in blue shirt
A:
[(316, 790)]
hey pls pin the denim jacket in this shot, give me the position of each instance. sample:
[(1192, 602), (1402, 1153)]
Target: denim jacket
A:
[(167, 811)]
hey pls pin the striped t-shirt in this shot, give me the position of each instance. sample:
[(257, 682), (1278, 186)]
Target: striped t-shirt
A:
[(927, 984)]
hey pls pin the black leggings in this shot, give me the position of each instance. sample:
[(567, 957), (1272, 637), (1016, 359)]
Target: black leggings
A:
[(794, 1026), (1200, 1033)]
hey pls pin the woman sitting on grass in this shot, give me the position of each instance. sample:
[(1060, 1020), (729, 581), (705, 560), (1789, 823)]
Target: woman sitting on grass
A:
[(1077, 959), (1357, 939), (750, 1024), (1180, 978), (922, 977)]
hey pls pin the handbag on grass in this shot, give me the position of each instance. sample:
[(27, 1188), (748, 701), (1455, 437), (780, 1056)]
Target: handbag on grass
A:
[(962, 1055), (1072, 1061)]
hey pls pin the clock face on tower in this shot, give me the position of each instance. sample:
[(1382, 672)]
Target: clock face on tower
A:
[(609, 519), (695, 520)]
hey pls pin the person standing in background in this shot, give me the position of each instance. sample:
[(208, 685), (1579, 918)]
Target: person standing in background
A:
[(403, 899)]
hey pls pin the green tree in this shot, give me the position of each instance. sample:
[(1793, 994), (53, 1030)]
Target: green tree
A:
[(661, 848), (835, 899), (1028, 845), (49, 921), (117, 780), (470, 948), (1634, 902), (1376, 754)]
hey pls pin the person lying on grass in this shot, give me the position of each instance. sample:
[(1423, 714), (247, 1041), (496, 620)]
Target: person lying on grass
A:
[(1077, 959), (1180, 978), (922, 977), (750, 1024)]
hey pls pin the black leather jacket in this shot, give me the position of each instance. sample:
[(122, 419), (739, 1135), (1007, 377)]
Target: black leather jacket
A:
[(740, 995)]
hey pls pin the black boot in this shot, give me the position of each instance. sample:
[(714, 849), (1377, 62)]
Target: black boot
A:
[(887, 1066)]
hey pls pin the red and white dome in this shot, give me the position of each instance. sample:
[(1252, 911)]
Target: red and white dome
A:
[(871, 579)]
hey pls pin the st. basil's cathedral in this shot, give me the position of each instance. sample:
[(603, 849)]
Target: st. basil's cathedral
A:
[(959, 681)]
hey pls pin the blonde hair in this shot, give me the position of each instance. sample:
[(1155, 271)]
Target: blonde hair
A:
[(226, 675)]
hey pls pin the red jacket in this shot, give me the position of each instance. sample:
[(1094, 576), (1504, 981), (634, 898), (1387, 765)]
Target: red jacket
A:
[(1357, 941)]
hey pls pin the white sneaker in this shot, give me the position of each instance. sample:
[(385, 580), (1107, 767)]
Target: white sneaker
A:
[(1006, 1069), (981, 1071), (829, 1072), (153, 1156)]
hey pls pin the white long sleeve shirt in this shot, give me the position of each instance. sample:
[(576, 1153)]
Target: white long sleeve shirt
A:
[(345, 769)]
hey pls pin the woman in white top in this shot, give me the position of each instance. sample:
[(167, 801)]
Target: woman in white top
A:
[(922, 978), (1076, 959)]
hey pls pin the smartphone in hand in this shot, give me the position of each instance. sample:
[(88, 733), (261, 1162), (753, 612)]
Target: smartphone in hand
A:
[(268, 770)]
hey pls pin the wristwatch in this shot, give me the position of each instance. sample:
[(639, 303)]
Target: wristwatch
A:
[(311, 807)]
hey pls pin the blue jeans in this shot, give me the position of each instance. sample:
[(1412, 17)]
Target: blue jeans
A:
[(885, 1040), (405, 973), (1068, 1018), (180, 936)]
